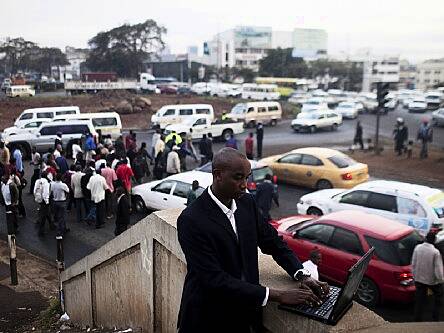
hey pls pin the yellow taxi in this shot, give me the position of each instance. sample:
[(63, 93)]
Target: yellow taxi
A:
[(319, 168)]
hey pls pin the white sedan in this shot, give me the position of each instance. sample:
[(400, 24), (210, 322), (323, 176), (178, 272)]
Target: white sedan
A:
[(170, 192), (347, 110)]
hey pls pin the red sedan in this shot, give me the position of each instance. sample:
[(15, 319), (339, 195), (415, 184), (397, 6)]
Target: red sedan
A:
[(343, 237)]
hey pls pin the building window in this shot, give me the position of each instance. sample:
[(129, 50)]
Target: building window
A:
[(426, 72), (392, 73), (437, 72), (394, 63), (426, 81)]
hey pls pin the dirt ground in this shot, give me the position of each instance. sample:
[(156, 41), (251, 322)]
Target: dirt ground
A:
[(11, 108)]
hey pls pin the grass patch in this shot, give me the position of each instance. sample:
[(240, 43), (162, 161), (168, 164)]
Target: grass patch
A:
[(50, 316)]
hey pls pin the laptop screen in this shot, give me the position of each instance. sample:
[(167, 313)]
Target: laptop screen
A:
[(355, 275)]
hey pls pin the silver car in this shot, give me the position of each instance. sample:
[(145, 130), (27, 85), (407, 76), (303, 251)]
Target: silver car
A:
[(438, 117)]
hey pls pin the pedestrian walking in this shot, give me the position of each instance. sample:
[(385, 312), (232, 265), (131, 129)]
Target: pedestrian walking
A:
[(36, 162), (427, 269), (60, 192), (18, 157), (156, 136), (9, 198), (210, 146), (124, 174), (66, 178), (231, 142), (173, 161), (249, 146), (5, 155), (203, 150), (192, 193), (62, 164), (76, 149), (401, 135), (90, 215), (358, 136), (123, 211), (76, 187), (41, 196), (97, 186), (259, 139), (425, 135), (265, 194), (90, 147), (110, 176)]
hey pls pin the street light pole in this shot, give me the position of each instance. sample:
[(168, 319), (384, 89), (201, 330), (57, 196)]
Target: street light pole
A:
[(12, 248), (61, 268)]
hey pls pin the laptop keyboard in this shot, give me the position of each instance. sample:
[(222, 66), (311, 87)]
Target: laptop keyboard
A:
[(325, 307)]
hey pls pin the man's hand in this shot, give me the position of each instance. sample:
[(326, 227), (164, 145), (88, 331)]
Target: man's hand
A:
[(320, 289), (295, 296)]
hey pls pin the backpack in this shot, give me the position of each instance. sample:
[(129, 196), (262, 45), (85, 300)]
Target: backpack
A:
[(38, 191)]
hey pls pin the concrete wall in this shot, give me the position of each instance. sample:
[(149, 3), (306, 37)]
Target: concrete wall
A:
[(136, 281)]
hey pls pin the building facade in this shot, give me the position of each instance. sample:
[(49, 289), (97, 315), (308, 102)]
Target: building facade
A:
[(245, 46), (430, 73)]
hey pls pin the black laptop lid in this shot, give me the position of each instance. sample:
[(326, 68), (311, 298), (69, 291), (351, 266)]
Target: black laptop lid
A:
[(355, 275)]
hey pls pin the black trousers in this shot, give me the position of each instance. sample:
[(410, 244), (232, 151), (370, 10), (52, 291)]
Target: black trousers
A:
[(43, 216), (35, 176), (421, 296), (259, 148), (109, 202), (100, 213)]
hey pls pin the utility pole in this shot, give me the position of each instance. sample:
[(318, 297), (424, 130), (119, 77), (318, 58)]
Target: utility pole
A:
[(12, 247), (382, 92), (60, 268)]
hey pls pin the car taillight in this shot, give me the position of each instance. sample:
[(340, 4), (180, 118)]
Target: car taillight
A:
[(251, 186), (404, 278), (347, 176), (275, 179)]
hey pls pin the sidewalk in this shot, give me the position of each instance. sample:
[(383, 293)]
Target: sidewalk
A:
[(21, 305)]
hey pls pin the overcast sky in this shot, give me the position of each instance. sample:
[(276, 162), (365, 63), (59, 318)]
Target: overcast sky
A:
[(411, 28)]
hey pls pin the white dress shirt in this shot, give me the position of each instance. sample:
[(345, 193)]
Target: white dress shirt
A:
[(43, 182), (229, 213), (97, 186), (6, 192), (59, 190)]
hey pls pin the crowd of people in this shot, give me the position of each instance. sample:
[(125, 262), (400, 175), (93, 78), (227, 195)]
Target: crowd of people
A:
[(96, 183)]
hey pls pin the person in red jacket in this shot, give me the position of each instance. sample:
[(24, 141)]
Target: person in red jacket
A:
[(249, 144), (124, 173)]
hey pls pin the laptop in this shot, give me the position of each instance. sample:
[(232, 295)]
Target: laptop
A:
[(340, 300)]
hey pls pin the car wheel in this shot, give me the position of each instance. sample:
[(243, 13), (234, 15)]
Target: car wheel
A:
[(314, 211), (334, 127), (323, 184), (273, 122), (312, 129), (368, 292), (139, 205), (226, 134), (296, 130)]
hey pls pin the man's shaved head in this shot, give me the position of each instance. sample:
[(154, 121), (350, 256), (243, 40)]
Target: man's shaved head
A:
[(230, 172), (225, 157)]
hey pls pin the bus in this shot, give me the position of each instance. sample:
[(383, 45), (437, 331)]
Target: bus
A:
[(263, 92)]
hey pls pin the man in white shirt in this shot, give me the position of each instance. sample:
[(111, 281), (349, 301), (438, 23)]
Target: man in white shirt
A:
[(173, 161), (76, 187), (97, 185), (427, 269), (9, 197), (312, 264), (154, 139), (41, 195), (60, 193)]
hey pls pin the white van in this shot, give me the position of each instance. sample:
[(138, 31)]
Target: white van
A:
[(264, 92), (109, 123), (253, 112), (39, 113), (174, 114), (20, 91)]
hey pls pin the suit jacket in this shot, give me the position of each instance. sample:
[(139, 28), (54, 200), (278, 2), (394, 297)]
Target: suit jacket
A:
[(221, 292)]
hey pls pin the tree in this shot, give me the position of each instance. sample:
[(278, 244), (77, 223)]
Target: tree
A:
[(124, 49), (280, 63), (17, 52), (43, 59)]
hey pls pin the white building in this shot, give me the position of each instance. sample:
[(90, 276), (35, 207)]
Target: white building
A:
[(245, 46), (75, 58), (430, 73)]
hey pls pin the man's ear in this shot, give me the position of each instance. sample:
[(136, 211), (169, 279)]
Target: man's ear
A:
[(217, 174)]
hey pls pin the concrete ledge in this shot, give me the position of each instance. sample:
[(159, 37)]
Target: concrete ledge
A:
[(136, 280)]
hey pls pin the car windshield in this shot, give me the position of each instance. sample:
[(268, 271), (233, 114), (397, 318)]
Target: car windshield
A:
[(437, 203), (342, 161), (312, 102), (239, 108), (304, 115), (398, 252), (260, 173)]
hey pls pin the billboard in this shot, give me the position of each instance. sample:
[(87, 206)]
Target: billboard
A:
[(252, 37)]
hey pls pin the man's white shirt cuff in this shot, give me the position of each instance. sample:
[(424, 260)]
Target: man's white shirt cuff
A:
[(267, 292)]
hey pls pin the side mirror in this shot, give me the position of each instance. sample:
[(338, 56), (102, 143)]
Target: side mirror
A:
[(295, 235), (37, 134)]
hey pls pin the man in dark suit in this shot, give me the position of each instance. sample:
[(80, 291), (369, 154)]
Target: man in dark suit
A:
[(219, 234), (265, 194)]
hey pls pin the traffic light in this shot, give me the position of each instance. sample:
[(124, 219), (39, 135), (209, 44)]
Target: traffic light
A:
[(382, 92)]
